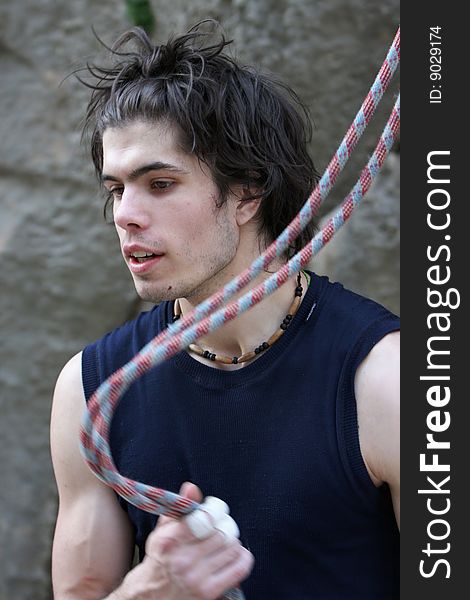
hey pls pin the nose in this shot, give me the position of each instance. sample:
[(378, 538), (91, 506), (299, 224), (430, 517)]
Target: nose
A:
[(130, 211)]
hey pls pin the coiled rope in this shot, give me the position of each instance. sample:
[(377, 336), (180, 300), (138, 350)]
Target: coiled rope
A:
[(97, 419)]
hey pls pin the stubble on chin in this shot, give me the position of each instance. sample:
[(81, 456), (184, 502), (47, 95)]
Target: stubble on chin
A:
[(157, 294), (194, 291), (198, 284)]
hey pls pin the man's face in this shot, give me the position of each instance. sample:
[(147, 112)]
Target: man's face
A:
[(174, 240)]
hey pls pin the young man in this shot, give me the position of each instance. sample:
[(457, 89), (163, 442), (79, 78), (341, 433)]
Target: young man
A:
[(288, 413)]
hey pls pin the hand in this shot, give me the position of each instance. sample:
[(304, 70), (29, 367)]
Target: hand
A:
[(178, 566)]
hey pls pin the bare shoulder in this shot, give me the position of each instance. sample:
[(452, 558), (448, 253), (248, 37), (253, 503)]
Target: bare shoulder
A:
[(67, 407), (377, 388), (67, 410), (93, 540)]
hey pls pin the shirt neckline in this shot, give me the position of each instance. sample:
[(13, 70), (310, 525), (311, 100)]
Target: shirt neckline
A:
[(221, 379)]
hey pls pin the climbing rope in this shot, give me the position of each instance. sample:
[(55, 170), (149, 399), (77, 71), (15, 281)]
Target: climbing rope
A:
[(96, 424), (319, 194)]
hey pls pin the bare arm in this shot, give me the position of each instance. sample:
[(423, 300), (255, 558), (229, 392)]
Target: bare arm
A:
[(377, 387), (93, 542)]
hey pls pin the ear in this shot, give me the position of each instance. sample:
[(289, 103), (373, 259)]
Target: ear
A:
[(246, 209)]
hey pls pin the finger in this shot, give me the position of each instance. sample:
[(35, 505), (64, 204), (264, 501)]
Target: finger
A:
[(222, 557), (228, 576), (187, 490), (200, 549), (174, 533), (193, 555), (191, 491), (194, 562)]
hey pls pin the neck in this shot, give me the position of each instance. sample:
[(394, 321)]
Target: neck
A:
[(249, 330)]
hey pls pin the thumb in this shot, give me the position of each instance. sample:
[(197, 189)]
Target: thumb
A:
[(187, 490), (191, 491)]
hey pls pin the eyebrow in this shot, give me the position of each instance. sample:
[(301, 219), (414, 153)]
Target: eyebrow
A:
[(136, 173)]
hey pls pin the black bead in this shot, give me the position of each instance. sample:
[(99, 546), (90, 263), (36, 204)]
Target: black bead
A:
[(212, 356), (283, 326), (288, 318), (235, 360), (265, 345), (206, 354), (257, 350)]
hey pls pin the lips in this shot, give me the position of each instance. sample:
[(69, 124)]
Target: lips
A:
[(141, 259), (142, 256)]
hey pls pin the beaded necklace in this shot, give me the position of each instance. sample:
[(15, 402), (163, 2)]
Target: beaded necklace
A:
[(236, 360)]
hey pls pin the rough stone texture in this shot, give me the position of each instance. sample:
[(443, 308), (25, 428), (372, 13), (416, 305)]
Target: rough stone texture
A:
[(364, 254), (61, 279)]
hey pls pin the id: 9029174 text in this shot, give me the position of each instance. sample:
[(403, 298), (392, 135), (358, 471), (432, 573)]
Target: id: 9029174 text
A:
[(435, 64)]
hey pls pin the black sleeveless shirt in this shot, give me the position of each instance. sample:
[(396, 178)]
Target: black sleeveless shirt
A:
[(277, 440)]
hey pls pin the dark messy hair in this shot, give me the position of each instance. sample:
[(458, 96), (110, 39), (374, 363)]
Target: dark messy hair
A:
[(246, 126)]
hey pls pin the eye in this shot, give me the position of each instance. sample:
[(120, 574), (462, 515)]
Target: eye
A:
[(116, 192), (161, 184)]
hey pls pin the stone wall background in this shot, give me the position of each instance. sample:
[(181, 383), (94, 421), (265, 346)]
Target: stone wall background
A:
[(62, 283)]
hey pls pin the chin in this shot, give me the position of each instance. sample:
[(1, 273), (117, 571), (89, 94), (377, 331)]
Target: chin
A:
[(151, 292), (155, 294)]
